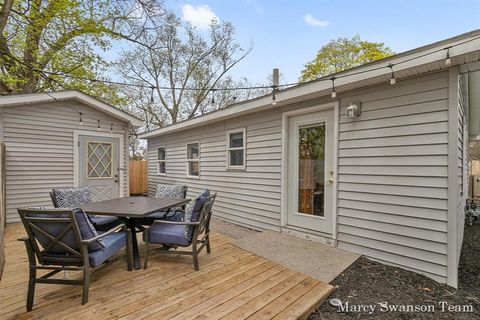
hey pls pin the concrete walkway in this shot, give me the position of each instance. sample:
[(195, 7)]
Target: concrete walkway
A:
[(311, 258)]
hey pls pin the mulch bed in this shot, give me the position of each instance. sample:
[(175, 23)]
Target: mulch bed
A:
[(371, 283)]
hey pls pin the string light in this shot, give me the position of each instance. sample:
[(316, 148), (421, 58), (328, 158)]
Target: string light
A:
[(212, 102), (151, 94), (448, 62), (239, 88), (392, 78), (334, 93), (98, 125), (274, 98), (111, 127), (448, 59), (80, 122)]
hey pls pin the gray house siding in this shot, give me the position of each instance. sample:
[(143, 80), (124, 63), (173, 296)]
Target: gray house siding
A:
[(463, 161), (392, 172), (39, 150), (392, 202), (250, 197)]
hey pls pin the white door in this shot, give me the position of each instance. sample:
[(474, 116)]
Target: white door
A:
[(99, 166), (310, 171)]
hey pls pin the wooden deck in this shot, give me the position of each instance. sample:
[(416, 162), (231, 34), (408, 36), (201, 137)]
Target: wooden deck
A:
[(232, 284)]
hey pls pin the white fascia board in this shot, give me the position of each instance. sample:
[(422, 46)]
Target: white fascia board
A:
[(22, 99)]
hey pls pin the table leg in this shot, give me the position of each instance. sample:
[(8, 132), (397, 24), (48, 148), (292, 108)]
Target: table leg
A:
[(136, 255)]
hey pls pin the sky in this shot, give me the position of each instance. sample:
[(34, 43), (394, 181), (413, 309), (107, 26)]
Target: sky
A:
[(288, 34)]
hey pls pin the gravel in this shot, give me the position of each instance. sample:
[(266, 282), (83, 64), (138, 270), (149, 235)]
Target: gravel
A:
[(369, 288)]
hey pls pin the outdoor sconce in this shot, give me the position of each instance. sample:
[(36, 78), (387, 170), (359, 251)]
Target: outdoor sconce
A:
[(353, 110)]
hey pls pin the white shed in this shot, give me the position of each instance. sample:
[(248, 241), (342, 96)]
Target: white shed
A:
[(389, 183), (62, 139)]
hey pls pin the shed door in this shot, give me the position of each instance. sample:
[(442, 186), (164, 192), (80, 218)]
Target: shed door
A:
[(98, 166), (310, 171)]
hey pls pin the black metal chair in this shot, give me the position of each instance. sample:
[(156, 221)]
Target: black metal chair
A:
[(194, 232), (74, 197), (60, 240)]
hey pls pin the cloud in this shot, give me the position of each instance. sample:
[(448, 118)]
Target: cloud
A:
[(255, 5), (310, 20), (199, 16)]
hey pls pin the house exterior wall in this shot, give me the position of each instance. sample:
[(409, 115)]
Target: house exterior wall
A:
[(39, 150), (392, 172), (250, 197), (393, 175), (463, 159)]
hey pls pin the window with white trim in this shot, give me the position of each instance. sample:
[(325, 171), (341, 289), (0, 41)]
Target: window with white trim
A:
[(193, 160), (162, 160), (236, 149)]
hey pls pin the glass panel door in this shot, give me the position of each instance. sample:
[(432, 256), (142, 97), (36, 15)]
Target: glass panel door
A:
[(311, 169)]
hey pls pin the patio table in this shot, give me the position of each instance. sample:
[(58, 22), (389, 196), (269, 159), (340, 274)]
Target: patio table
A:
[(130, 209)]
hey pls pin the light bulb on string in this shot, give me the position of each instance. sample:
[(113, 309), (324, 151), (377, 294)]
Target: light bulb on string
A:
[(392, 78), (111, 127), (212, 102), (151, 94), (80, 122), (98, 125), (274, 98), (448, 59), (334, 93)]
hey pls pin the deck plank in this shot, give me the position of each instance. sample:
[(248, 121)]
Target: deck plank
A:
[(232, 284)]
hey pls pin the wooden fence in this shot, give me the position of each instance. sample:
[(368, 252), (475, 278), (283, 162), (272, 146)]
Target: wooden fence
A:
[(138, 177), (2, 207)]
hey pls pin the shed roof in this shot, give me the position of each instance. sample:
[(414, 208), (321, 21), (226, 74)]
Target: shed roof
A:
[(31, 98), (462, 49)]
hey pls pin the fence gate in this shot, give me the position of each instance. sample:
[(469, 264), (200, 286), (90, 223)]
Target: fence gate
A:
[(138, 177)]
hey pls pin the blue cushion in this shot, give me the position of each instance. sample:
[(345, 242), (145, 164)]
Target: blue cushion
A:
[(167, 234), (199, 203), (87, 231), (73, 197), (157, 215), (113, 243), (104, 223), (192, 212)]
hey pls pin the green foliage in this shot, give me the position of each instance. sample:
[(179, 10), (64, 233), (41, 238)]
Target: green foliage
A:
[(342, 54), (57, 36), (312, 142)]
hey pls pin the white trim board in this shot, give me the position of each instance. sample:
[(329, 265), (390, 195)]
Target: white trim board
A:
[(24, 99), (452, 266), (77, 133), (284, 154)]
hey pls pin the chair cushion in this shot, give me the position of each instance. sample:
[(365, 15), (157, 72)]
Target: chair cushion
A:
[(87, 230), (113, 243), (170, 191), (172, 215), (73, 197), (192, 212), (104, 223), (167, 234), (157, 215)]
